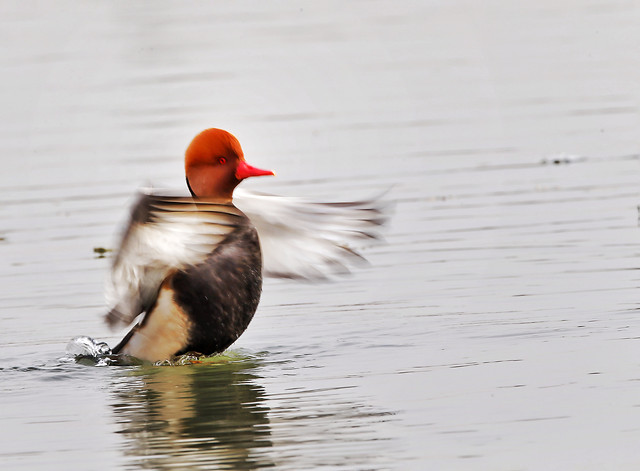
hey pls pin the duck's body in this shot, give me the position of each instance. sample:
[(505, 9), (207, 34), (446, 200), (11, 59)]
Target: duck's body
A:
[(222, 294), (193, 265), (205, 306)]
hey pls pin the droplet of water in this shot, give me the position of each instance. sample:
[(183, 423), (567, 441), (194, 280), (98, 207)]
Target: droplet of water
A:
[(87, 346)]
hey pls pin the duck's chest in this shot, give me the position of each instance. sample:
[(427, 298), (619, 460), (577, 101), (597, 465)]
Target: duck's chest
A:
[(221, 294)]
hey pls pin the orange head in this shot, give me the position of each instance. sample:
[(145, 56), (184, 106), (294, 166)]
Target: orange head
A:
[(214, 165)]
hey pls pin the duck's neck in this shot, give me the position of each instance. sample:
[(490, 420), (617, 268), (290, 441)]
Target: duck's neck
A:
[(220, 197)]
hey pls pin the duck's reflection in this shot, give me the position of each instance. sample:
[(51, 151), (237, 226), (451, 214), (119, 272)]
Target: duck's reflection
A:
[(209, 415)]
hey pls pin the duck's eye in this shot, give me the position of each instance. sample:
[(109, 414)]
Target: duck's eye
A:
[(222, 160)]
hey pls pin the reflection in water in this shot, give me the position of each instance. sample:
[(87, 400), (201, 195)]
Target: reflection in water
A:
[(209, 415)]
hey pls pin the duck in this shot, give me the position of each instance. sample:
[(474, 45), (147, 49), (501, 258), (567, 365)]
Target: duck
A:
[(187, 275)]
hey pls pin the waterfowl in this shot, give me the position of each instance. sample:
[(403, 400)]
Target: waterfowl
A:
[(190, 268)]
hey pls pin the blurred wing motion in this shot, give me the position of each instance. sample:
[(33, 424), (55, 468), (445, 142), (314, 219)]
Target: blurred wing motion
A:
[(313, 241), (299, 239), (165, 233)]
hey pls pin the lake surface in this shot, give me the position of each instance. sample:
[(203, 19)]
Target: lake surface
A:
[(498, 328)]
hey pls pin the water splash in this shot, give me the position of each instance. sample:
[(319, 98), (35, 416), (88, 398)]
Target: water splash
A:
[(86, 350), (86, 346)]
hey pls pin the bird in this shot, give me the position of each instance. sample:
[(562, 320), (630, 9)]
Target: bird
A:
[(189, 269)]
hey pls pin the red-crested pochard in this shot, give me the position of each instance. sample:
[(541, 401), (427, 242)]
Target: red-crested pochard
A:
[(193, 266)]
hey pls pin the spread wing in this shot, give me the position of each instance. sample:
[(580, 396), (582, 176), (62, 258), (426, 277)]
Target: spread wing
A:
[(307, 240), (165, 233)]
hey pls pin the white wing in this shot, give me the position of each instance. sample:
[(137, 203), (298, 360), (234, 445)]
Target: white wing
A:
[(308, 240), (165, 233)]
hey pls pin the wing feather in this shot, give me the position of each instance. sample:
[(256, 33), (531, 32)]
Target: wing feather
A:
[(300, 239), (164, 233), (307, 240)]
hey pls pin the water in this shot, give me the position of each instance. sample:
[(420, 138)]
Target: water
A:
[(496, 329)]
